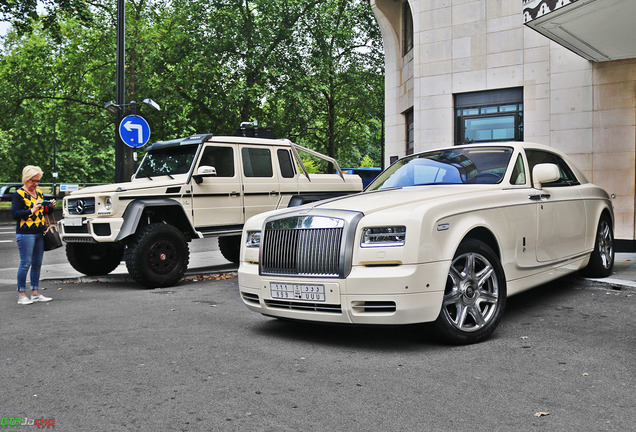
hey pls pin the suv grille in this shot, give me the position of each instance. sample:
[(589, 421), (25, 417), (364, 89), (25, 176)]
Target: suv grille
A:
[(81, 206)]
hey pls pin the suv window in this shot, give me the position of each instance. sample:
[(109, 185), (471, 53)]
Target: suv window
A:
[(285, 162), (221, 158), (257, 162), (170, 160), (567, 178)]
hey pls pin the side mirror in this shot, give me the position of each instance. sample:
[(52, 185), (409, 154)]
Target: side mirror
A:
[(204, 171), (544, 173)]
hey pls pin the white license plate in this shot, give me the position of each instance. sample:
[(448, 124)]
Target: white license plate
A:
[(302, 292), (72, 222)]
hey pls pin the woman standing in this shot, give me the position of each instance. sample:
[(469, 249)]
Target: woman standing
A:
[(28, 211)]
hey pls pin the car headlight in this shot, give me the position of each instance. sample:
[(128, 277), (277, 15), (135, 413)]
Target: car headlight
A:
[(383, 236), (108, 203), (253, 239)]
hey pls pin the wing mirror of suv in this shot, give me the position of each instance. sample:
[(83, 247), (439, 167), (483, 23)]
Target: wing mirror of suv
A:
[(545, 173), (204, 171)]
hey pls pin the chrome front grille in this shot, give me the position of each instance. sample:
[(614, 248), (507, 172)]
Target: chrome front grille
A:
[(308, 244), (302, 251), (81, 206)]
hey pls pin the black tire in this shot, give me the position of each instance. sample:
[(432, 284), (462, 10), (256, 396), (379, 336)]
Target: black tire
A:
[(230, 247), (94, 259), (475, 295), (601, 261), (157, 256)]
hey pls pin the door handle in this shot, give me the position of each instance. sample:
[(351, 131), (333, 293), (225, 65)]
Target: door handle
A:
[(235, 194), (274, 193), (538, 197)]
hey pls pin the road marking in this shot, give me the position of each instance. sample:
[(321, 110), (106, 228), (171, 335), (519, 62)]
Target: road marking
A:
[(7, 241)]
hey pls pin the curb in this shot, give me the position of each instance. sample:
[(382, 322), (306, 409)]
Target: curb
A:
[(614, 282)]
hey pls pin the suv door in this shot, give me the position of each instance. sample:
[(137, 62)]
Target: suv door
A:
[(217, 199), (261, 189)]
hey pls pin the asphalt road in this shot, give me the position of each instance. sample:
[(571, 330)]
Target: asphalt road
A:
[(115, 357)]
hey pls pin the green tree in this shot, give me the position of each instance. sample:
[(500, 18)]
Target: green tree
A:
[(311, 69), (332, 100)]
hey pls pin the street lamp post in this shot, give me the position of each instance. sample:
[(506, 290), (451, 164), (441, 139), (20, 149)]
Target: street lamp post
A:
[(120, 149)]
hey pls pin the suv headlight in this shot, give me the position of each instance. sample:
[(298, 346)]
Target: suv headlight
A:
[(383, 236), (108, 203), (253, 239)]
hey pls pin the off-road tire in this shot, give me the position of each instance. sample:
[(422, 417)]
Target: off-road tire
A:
[(94, 259), (230, 247), (157, 256)]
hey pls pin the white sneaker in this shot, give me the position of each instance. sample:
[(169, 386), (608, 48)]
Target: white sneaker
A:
[(40, 298), (24, 300)]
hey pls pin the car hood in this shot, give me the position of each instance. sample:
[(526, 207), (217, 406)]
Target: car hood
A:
[(163, 181), (376, 201)]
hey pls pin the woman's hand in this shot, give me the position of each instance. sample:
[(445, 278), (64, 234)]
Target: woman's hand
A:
[(53, 202), (37, 206)]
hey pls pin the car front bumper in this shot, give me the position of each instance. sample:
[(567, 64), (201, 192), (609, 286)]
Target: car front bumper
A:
[(388, 295), (85, 230)]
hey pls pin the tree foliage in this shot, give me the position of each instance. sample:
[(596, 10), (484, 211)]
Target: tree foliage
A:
[(311, 69)]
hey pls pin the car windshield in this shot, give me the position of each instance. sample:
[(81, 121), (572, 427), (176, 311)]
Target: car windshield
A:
[(167, 161), (461, 165)]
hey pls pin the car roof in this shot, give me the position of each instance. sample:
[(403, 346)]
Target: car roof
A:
[(201, 138)]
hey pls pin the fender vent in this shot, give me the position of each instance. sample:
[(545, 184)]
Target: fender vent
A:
[(374, 306), (173, 190), (250, 298)]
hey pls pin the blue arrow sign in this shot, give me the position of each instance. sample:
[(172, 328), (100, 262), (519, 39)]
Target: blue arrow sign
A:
[(134, 131)]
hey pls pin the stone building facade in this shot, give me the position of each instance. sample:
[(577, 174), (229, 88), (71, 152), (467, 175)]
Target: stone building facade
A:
[(471, 70)]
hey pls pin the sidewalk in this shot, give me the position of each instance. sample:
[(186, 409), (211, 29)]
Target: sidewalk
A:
[(624, 274)]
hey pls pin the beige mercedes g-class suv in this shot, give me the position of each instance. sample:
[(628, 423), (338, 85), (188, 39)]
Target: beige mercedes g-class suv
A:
[(184, 189)]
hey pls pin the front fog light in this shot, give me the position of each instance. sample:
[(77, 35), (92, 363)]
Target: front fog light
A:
[(253, 239), (383, 236)]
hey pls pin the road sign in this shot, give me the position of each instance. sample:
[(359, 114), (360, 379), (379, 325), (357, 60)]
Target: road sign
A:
[(134, 131), (68, 187)]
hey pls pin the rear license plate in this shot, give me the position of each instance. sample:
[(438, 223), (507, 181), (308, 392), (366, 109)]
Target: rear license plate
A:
[(303, 292)]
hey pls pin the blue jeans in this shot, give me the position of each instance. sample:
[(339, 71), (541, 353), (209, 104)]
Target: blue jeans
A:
[(31, 247)]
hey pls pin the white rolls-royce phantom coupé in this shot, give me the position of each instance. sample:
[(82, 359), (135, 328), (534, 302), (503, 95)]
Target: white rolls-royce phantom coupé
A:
[(442, 236)]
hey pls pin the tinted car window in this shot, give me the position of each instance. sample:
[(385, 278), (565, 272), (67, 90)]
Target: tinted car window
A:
[(285, 162), (171, 160), (221, 158), (567, 178), (257, 162), (463, 165)]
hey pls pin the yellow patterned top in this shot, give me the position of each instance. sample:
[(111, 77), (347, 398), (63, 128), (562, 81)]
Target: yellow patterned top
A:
[(28, 223)]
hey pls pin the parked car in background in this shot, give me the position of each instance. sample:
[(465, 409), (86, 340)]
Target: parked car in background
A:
[(442, 236), (7, 191), (367, 174)]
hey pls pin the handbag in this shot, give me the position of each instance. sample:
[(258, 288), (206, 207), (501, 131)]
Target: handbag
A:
[(52, 238)]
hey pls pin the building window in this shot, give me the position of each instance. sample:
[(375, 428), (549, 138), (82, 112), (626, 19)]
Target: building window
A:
[(486, 116), (410, 135), (407, 28)]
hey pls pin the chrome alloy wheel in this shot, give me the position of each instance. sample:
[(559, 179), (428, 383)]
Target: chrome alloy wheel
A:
[(605, 244), (472, 292)]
